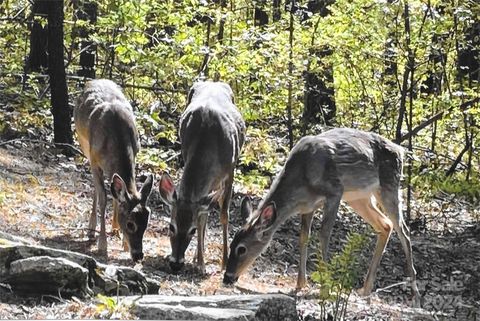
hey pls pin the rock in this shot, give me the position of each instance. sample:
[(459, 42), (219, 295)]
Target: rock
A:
[(219, 307), (13, 252), (47, 275), (4, 236), (124, 280), (16, 259)]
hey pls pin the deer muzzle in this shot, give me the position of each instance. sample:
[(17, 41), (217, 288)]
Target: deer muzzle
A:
[(229, 278), (136, 256), (176, 265)]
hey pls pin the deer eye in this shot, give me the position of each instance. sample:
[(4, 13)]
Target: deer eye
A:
[(172, 229), (192, 231), (131, 227), (241, 250)]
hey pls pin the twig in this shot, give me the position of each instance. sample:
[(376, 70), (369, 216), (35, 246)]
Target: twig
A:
[(59, 299), (438, 116), (245, 290), (390, 286)]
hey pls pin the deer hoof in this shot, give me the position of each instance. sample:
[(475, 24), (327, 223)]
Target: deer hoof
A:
[(416, 302), (91, 234), (363, 292), (102, 246), (201, 269)]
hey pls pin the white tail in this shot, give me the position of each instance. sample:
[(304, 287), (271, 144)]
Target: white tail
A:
[(359, 167), (212, 133), (105, 127)]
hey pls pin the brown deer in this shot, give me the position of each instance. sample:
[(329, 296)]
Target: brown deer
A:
[(212, 132), (105, 127), (359, 167)]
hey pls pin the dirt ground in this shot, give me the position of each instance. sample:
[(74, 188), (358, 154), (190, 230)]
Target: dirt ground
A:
[(46, 197)]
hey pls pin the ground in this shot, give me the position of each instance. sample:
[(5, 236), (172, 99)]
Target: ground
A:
[(46, 197)]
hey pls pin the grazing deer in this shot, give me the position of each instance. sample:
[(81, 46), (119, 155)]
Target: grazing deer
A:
[(212, 132), (105, 126), (359, 167)]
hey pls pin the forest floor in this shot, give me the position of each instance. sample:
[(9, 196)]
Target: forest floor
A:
[(46, 197)]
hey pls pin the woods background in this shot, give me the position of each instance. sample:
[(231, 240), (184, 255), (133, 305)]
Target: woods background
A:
[(408, 70)]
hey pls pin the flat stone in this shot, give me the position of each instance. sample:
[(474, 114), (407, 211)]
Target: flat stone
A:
[(218, 307), (47, 275), (101, 278)]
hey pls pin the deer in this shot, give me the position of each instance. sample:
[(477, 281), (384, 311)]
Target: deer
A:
[(362, 168), (105, 127), (212, 132)]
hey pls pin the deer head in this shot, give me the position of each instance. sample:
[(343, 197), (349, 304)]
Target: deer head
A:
[(133, 213), (183, 224), (251, 240)]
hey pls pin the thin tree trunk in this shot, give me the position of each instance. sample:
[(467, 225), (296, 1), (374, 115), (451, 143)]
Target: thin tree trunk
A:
[(221, 27), (319, 94), (290, 75), (88, 49), (56, 68), (408, 78), (277, 13)]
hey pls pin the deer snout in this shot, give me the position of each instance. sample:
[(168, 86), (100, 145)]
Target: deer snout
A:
[(229, 278), (137, 256), (176, 265)]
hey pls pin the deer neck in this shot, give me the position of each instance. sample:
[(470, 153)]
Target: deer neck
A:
[(126, 171)]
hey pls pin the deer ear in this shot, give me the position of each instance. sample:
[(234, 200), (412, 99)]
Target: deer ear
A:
[(118, 188), (246, 208), (190, 95), (267, 217), (167, 189), (146, 189)]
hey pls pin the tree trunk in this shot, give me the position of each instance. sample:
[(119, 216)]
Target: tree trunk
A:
[(320, 107), (260, 15), (390, 72), (319, 96), (56, 69), (88, 49), (37, 56), (469, 54), (221, 27), (277, 13)]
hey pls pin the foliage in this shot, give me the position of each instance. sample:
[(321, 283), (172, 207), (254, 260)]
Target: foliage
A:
[(156, 50), (432, 183), (111, 308), (337, 278)]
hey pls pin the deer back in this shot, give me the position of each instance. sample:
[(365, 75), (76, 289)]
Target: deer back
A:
[(212, 133), (105, 125)]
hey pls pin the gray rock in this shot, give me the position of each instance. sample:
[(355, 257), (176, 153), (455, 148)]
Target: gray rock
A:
[(13, 238), (47, 275), (219, 307), (101, 278)]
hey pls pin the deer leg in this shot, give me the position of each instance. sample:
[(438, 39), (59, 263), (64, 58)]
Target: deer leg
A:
[(115, 223), (367, 209), (392, 204), (102, 201), (224, 214), (304, 235), (201, 226), (330, 210), (92, 222)]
